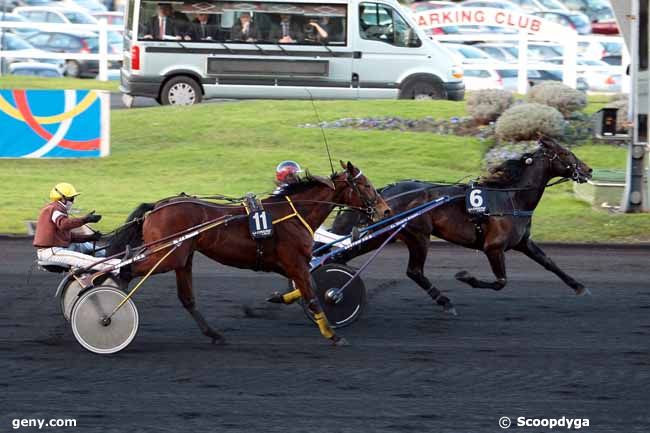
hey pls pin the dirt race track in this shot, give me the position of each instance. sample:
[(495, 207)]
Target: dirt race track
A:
[(533, 350)]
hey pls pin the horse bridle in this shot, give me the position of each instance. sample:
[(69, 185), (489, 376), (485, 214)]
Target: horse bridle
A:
[(369, 203), (575, 171)]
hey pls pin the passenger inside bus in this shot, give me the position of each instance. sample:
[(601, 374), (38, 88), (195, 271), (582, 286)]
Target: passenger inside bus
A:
[(245, 30), (287, 31), (166, 24), (317, 31), (204, 30), (218, 25)]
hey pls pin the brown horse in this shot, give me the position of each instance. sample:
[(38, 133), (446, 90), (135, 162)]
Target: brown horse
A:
[(298, 209), (517, 184)]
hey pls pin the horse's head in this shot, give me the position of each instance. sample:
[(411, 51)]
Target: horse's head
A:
[(357, 191), (562, 162)]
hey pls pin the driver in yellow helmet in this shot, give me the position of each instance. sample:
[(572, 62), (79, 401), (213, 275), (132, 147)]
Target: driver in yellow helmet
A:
[(55, 239)]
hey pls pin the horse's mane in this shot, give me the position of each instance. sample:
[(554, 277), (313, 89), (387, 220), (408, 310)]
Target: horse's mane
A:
[(505, 173), (304, 183)]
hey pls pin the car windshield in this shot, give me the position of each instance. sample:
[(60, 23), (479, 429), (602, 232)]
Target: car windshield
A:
[(578, 19), (603, 14), (12, 43), (79, 18), (551, 4), (114, 38), (470, 53), (15, 18), (595, 4)]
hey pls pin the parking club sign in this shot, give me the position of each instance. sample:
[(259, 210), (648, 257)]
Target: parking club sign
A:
[(54, 123)]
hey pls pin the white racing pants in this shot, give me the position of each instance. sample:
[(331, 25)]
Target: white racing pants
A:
[(73, 258), (323, 236)]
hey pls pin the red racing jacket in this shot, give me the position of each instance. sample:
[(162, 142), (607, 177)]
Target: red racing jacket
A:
[(54, 227)]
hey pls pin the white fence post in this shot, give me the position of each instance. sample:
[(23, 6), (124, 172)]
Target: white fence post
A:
[(522, 70), (103, 50), (569, 74)]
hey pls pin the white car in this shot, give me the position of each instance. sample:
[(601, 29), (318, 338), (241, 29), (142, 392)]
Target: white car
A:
[(498, 51), (478, 78), (35, 69), (530, 6), (57, 15), (498, 4), (599, 81), (468, 54)]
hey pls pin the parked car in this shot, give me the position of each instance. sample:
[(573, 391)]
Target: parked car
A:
[(15, 18), (20, 51), (52, 14), (575, 20), (9, 5), (112, 17), (498, 4), (535, 76), (604, 22), (35, 69), (530, 6), (482, 78), (77, 42), (467, 54), (87, 5), (600, 81), (587, 7), (497, 51), (591, 49)]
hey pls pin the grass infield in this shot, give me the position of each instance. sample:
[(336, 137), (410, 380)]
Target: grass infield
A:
[(233, 147)]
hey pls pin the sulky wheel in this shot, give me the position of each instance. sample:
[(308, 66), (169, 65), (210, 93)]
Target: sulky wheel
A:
[(91, 327), (70, 294), (341, 309)]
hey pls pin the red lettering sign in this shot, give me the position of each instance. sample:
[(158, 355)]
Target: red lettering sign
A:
[(535, 25)]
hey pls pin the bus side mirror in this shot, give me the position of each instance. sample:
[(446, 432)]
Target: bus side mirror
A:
[(627, 70), (605, 126)]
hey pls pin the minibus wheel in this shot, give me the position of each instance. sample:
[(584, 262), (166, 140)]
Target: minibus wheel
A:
[(181, 90), (422, 87)]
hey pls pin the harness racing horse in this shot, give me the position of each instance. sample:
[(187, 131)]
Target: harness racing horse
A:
[(520, 182), (299, 208)]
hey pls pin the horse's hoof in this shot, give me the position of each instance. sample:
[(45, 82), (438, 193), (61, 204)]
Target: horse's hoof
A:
[(340, 341), (275, 298), (220, 340), (583, 291), (451, 310)]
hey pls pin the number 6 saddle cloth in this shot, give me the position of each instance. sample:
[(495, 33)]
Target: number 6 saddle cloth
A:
[(482, 202)]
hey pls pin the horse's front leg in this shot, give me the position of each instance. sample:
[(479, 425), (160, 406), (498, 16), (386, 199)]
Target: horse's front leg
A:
[(497, 259), (418, 247), (298, 271), (532, 250)]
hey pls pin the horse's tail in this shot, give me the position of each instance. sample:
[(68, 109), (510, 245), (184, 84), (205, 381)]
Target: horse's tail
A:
[(131, 232)]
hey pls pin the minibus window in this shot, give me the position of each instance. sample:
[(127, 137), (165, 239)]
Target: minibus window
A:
[(128, 23), (250, 22), (378, 22)]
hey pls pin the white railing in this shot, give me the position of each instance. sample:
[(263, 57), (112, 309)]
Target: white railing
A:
[(569, 67), (102, 29)]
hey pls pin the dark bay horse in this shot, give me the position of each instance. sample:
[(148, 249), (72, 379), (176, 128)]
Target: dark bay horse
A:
[(296, 210), (523, 182)]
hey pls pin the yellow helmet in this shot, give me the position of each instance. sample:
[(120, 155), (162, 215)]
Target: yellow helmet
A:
[(63, 190)]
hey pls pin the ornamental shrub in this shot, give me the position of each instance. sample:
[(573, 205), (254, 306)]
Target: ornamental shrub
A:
[(486, 106), (526, 121), (557, 95)]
